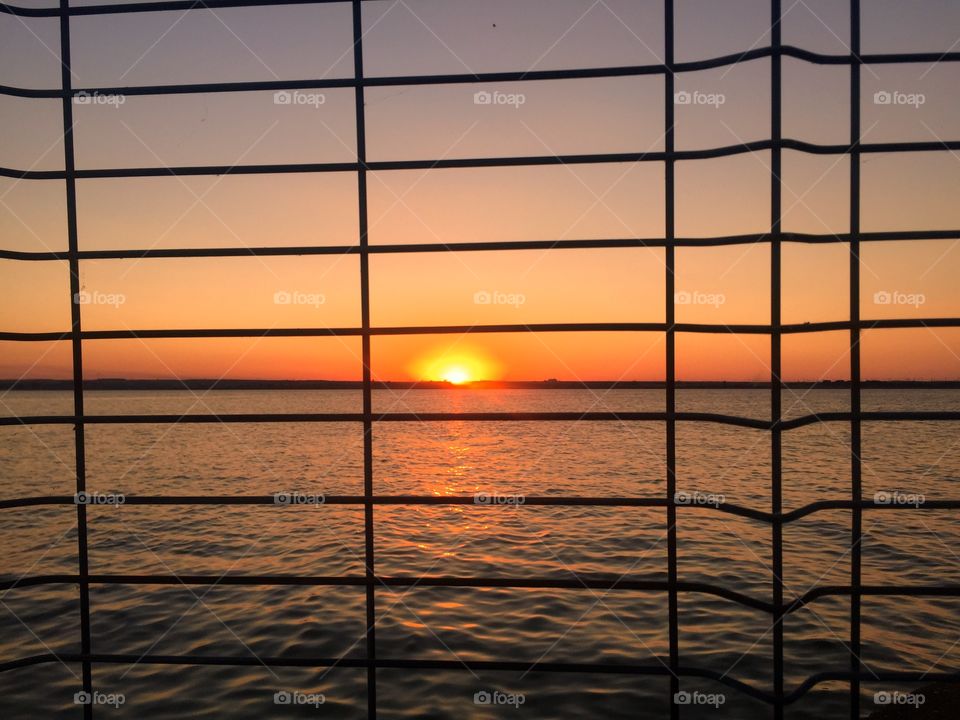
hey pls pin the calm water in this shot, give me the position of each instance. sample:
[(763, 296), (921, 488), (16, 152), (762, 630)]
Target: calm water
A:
[(563, 458)]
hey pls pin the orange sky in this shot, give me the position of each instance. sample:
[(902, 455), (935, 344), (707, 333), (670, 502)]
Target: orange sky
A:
[(713, 197)]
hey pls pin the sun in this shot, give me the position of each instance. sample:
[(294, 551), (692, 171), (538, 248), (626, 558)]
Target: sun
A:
[(456, 375), (463, 365)]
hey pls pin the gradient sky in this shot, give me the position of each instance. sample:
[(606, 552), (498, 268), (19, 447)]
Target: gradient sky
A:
[(713, 197)]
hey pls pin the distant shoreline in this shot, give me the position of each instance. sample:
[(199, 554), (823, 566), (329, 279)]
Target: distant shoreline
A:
[(121, 384)]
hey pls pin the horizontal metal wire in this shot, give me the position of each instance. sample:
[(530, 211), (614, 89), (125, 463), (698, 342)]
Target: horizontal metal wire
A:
[(481, 246), (485, 77), (610, 416), (487, 162), (579, 582), (158, 6), (738, 329), (532, 500)]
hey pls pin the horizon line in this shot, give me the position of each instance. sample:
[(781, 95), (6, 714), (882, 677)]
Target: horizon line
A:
[(121, 383)]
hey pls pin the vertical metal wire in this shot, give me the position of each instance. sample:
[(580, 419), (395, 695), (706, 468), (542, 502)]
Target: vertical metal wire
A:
[(776, 384), (371, 600), (856, 490), (83, 559), (671, 338)]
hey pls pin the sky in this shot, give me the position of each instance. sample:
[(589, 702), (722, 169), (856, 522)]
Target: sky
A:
[(726, 285)]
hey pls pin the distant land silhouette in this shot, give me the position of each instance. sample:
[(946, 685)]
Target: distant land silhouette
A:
[(212, 384)]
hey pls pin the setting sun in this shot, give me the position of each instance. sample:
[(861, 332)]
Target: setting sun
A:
[(456, 375), (457, 364)]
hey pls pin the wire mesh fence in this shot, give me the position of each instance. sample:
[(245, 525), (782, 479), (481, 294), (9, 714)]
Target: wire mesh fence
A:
[(776, 606)]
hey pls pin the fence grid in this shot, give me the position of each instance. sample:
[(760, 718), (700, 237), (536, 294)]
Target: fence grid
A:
[(776, 607)]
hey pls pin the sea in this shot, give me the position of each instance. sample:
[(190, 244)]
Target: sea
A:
[(495, 535)]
